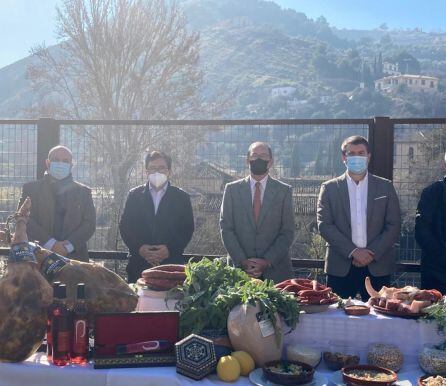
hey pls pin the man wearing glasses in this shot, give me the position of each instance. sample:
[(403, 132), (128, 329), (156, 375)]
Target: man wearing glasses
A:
[(257, 219), (157, 222), (358, 214)]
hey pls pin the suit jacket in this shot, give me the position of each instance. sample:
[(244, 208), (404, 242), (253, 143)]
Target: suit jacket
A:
[(383, 225), (173, 225), (79, 222), (270, 238), (430, 229)]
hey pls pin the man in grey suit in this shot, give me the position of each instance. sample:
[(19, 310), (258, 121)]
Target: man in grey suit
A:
[(358, 214), (257, 219)]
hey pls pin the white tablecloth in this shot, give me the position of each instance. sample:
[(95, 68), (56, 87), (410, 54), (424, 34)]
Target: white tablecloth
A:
[(36, 371), (313, 329), (360, 331)]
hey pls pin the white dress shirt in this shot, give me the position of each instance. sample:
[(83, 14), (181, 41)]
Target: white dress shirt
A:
[(358, 210), (157, 196), (50, 244), (262, 187)]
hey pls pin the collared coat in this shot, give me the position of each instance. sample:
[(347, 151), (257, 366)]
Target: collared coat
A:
[(430, 230), (172, 225), (383, 225), (270, 238), (79, 222)]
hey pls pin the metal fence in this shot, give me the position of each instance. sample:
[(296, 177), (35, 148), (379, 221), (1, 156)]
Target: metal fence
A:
[(418, 159), (208, 154)]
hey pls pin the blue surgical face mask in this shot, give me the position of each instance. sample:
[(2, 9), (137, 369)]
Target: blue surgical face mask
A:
[(59, 170), (356, 164)]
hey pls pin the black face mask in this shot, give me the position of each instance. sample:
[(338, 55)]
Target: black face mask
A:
[(258, 167)]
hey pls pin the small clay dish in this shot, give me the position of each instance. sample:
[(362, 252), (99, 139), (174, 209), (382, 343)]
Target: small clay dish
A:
[(281, 372), (422, 378), (351, 375), (357, 310), (420, 381)]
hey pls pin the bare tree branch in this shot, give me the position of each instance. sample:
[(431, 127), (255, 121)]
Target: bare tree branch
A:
[(120, 59)]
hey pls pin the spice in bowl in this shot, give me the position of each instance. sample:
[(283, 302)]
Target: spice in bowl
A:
[(385, 355), (357, 310), (432, 359), (339, 355)]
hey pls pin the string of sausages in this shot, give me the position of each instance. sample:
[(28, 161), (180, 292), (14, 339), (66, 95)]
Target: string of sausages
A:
[(163, 277), (308, 291)]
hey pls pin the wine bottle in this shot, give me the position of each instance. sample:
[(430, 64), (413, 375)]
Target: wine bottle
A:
[(49, 338), (61, 328), (79, 348)]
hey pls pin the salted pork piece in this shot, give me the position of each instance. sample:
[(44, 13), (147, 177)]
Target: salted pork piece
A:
[(408, 299), (24, 298), (26, 293)]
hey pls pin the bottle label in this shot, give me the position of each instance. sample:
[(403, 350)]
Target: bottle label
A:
[(49, 338), (63, 341), (52, 265), (22, 252), (80, 338), (265, 325)]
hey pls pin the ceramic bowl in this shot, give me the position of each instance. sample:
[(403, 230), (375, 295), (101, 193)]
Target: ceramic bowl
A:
[(288, 379), (350, 379)]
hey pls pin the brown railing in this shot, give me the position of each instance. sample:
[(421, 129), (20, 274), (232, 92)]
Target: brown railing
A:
[(209, 153)]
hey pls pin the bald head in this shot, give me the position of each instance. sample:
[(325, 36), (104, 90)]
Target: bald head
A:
[(261, 149), (60, 154), (59, 162)]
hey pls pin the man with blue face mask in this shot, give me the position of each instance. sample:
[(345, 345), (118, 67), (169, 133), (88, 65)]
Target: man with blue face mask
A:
[(358, 214), (63, 216)]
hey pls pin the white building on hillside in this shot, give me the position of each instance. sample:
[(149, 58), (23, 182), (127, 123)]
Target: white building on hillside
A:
[(391, 68), (413, 82), (282, 91)]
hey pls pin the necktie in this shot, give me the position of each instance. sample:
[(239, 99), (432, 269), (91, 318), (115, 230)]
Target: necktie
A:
[(257, 203)]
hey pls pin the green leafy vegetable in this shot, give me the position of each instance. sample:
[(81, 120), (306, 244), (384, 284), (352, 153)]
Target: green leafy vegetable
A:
[(437, 312), (212, 289)]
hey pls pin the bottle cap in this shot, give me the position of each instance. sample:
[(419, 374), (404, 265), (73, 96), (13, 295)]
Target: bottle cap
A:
[(55, 285), (81, 291), (62, 291)]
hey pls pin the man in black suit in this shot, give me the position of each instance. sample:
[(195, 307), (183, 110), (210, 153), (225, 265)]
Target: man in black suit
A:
[(430, 233), (157, 222)]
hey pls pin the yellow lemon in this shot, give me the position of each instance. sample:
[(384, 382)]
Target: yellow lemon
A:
[(228, 369), (245, 360)]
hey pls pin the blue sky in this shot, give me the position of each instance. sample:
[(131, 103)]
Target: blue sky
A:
[(368, 14), (26, 23)]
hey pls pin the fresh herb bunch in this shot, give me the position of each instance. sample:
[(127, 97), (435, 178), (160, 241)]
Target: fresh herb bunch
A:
[(212, 289), (437, 312), (271, 301)]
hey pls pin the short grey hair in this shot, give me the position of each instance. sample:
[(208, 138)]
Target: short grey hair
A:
[(59, 147), (254, 144)]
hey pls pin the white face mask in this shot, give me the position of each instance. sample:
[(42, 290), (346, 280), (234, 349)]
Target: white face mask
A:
[(157, 179)]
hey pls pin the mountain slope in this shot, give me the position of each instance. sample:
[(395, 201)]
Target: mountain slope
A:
[(251, 47)]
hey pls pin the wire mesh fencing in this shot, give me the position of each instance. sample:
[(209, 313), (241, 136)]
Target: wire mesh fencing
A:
[(109, 157)]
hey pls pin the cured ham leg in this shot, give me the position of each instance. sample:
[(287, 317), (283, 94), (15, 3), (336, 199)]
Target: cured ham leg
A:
[(26, 293), (24, 298)]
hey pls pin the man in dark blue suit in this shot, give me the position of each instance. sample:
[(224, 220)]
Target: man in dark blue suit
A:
[(430, 233), (157, 222)]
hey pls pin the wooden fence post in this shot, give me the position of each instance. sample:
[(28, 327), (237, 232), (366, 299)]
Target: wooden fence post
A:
[(381, 140), (48, 136)]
